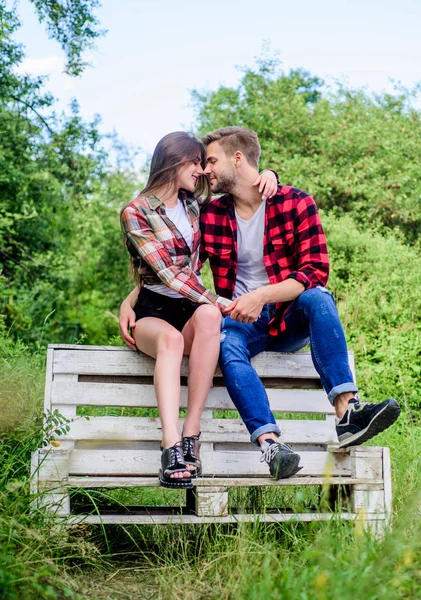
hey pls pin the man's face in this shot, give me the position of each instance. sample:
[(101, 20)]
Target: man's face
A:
[(219, 169)]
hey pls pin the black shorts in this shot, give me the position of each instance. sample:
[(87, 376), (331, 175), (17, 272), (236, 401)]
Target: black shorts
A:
[(175, 311)]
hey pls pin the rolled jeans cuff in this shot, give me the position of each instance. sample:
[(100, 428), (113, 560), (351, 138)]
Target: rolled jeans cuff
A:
[(340, 389), (269, 428)]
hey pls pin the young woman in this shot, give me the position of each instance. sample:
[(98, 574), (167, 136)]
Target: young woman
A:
[(174, 314)]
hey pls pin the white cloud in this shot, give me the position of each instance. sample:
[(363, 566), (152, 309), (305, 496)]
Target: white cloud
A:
[(45, 65)]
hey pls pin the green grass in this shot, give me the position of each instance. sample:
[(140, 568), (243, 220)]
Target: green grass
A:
[(314, 561)]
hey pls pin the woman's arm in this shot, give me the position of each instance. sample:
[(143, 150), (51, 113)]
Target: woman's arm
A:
[(142, 238), (127, 319), (268, 182)]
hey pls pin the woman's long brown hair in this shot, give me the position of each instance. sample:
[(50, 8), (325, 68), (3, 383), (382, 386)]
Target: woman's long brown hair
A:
[(172, 151)]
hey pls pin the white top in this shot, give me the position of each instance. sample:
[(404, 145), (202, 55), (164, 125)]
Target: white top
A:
[(179, 217), (251, 272)]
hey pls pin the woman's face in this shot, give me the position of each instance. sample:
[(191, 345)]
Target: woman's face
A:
[(188, 175)]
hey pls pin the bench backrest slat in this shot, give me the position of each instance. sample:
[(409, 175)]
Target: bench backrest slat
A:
[(143, 396), (213, 430)]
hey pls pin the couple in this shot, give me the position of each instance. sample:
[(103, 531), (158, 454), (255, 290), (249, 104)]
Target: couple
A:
[(268, 256)]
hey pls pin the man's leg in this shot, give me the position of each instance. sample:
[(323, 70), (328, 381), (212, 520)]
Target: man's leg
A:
[(313, 318), (239, 343)]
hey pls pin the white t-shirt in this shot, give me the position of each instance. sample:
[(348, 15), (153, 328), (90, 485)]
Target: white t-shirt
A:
[(179, 217), (251, 270)]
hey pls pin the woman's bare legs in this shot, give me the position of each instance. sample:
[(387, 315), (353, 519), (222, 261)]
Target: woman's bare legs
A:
[(201, 341), (162, 341)]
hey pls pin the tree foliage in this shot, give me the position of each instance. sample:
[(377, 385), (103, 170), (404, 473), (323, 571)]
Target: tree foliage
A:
[(353, 151), (57, 188)]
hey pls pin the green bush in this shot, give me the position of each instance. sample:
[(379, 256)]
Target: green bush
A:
[(375, 280)]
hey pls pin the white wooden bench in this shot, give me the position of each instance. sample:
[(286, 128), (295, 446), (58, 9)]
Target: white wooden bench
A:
[(123, 451)]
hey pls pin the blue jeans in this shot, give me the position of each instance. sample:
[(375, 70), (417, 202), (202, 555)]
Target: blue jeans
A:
[(313, 318)]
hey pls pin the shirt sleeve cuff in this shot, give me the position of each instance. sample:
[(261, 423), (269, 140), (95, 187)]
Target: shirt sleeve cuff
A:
[(224, 301), (301, 278)]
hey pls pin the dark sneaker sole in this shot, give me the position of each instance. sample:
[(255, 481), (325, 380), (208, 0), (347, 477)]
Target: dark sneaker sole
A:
[(288, 466), (381, 421)]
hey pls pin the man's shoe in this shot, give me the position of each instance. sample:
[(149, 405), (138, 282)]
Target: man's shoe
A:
[(363, 420), (282, 461)]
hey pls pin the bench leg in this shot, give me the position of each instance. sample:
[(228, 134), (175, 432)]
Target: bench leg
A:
[(372, 503), (53, 472), (208, 501)]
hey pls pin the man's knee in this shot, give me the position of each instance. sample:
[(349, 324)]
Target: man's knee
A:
[(233, 347), (318, 298)]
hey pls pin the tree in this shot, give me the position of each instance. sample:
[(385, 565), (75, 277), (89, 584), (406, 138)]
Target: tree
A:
[(354, 152), (55, 181)]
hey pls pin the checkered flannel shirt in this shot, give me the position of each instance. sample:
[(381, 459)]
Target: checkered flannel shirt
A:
[(294, 244), (160, 252)]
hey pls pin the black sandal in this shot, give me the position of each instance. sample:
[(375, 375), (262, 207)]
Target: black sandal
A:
[(172, 461), (191, 451)]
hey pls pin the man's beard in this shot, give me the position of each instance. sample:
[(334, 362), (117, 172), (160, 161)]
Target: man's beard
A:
[(224, 185)]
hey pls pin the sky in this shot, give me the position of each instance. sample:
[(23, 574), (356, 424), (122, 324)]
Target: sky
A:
[(156, 51)]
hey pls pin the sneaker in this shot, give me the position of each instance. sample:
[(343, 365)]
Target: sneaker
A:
[(282, 460), (363, 420)]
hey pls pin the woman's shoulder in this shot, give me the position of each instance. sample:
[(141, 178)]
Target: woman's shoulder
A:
[(142, 203)]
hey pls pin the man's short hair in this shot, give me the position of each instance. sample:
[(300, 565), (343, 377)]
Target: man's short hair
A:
[(236, 138)]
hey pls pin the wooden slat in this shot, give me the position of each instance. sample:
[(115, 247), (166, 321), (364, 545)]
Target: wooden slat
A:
[(129, 482), (48, 380), (123, 361), (213, 430), (194, 520), (143, 396), (132, 462), (387, 477)]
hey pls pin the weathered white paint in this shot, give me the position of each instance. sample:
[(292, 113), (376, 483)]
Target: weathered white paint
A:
[(213, 430), (267, 481), (123, 361), (145, 519), (143, 396), (123, 451)]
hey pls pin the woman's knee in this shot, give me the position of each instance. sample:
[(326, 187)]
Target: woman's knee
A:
[(207, 319), (170, 340)]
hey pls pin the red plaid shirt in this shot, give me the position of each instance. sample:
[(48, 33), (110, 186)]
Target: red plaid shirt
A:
[(160, 252), (294, 244)]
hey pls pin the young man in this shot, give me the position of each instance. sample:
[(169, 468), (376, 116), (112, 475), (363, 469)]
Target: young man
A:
[(270, 257)]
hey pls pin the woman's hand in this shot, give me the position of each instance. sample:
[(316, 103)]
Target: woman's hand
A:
[(127, 322), (268, 184)]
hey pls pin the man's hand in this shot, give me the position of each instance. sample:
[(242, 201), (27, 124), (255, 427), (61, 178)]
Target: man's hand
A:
[(247, 308), (127, 321), (267, 184)]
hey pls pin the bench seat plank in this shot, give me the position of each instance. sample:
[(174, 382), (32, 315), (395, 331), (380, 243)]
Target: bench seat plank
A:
[(123, 361)]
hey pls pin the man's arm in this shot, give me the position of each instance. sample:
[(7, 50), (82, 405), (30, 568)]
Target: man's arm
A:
[(311, 269), (128, 318), (247, 308)]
